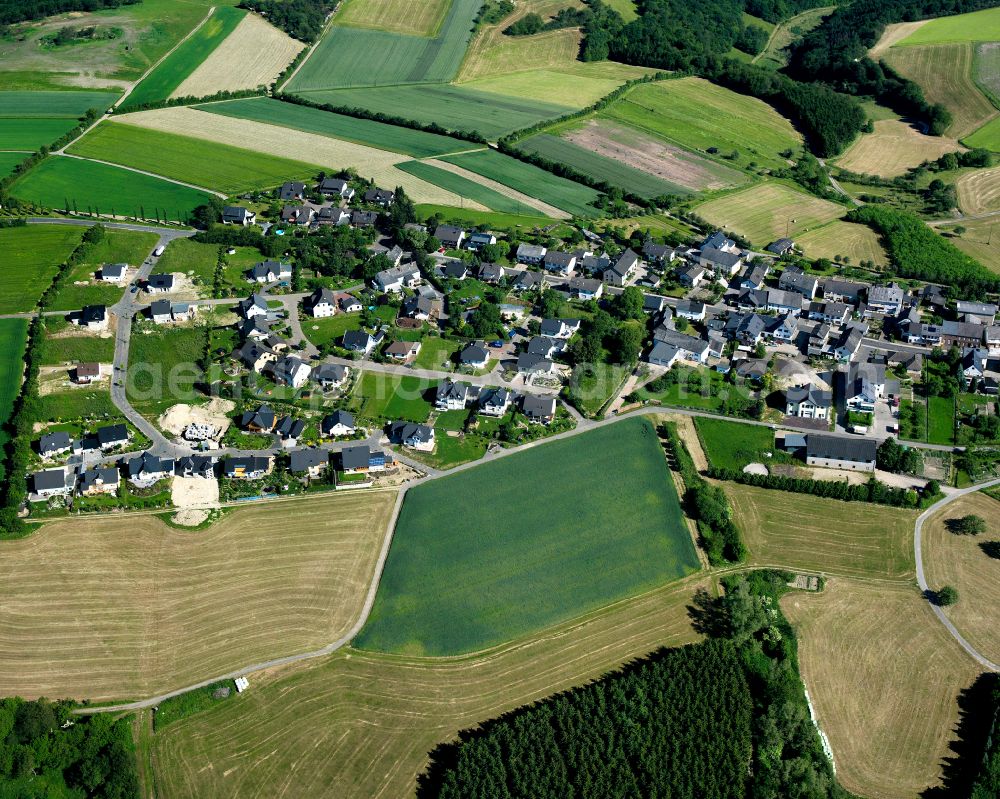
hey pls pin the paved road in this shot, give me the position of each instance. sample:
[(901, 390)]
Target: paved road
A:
[(168, 234), (918, 530)]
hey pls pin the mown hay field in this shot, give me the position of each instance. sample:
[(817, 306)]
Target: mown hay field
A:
[(359, 724), (395, 16), (699, 115), (359, 57), (986, 69), (979, 191), (503, 550), (574, 198), (769, 211), (944, 72), (324, 152), (798, 531), (117, 608), (976, 26), (964, 562), (884, 677), (81, 185), (893, 148), (214, 165), (173, 70), (847, 239), (980, 242), (776, 53), (416, 143), (253, 55), (31, 257)]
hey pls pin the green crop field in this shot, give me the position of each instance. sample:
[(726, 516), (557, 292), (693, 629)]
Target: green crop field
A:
[(31, 257), (196, 161), (452, 107), (399, 16), (464, 187), (88, 184), (491, 219), (977, 26), (572, 84), (118, 247), (359, 57), (10, 160), (361, 131), (171, 72), (31, 133), (732, 445), (988, 136), (504, 549), (552, 189), (13, 337), (53, 104), (378, 395), (697, 114), (599, 166)]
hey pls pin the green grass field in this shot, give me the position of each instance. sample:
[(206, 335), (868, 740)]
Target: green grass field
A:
[(361, 131), (184, 255), (378, 395), (598, 166), (118, 247), (330, 329), (977, 26), (171, 72), (13, 337), (560, 192), (940, 420), (31, 257), (162, 368), (31, 133), (83, 185), (732, 445), (437, 353), (697, 114), (988, 136), (71, 105), (196, 161), (359, 57), (452, 107), (491, 219), (58, 347), (464, 187), (502, 550), (10, 160)]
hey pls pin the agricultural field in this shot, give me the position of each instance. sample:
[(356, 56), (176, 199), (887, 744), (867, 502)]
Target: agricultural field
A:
[(453, 107), (571, 197), (884, 677), (798, 531), (986, 69), (699, 115), (80, 185), (8, 161), (944, 72), (253, 55), (988, 136), (361, 724), (13, 337), (416, 143), (574, 83), (769, 211), (980, 242), (396, 16), (977, 26), (466, 188), (893, 148), (378, 395), (360, 57), (30, 133), (173, 70), (525, 203), (979, 191), (495, 221), (962, 561), (477, 561), (31, 257), (272, 140), (106, 608), (846, 239), (54, 104), (195, 161), (118, 247)]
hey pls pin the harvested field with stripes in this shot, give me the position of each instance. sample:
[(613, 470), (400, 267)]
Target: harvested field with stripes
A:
[(893, 148), (396, 16), (846, 239), (125, 607), (979, 192)]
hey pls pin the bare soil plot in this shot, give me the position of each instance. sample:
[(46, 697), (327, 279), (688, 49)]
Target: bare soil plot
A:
[(279, 141), (121, 607), (798, 531), (194, 492), (893, 148), (979, 192), (253, 55), (359, 725), (654, 156), (960, 561), (884, 676), (214, 413), (894, 34)]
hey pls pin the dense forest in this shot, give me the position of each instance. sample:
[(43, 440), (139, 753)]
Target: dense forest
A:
[(12, 11), (45, 752), (726, 718), (300, 19), (918, 252), (987, 784)]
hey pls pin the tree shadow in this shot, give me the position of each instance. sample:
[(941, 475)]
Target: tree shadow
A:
[(991, 549), (976, 711)]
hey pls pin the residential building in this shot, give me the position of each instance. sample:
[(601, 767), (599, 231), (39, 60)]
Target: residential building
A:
[(746, 329), (474, 355), (690, 348), (494, 401), (780, 247), (261, 420), (850, 341), (336, 187), (658, 253), (161, 283), (338, 423), (255, 355), (833, 313), (413, 436), (98, 481), (397, 278), (819, 340), (382, 197), (836, 290), (982, 312), (309, 461), (491, 273), (270, 271), (289, 430), (974, 364), (362, 341), (291, 371), (781, 301), (754, 275), (159, 311), (559, 328), (321, 303), (451, 396), (52, 483), (451, 237), (403, 350), (86, 373), (247, 467), (691, 309), (691, 276), (292, 190), (784, 329), (795, 279), (113, 273), (864, 385), (333, 216), (530, 363), (532, 254), (478, 240), (455, 270), (724, 263), (585, 288), (623, 272), (147, 469), (886, 300), (361, 218), (541, 410), (654, 304), (238, 215), (663, 354), (808, 402), (52, 444), (112, 436), (93, 317), (749, 300), (254, 305), (361, 458), (838, 452), (349, 303), (562, 263)]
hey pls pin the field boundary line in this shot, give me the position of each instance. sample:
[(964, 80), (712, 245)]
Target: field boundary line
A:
[(312, 49), (502, 188), (144, 172)]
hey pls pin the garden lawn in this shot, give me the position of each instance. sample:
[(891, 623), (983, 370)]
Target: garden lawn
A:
[(941, 420), (31, 133), (378, 395), (437, 353), (572, 197), (194, 258), (521, 543), (101, 188), (329, 329), (361, 131), (195, 161), (172, 70), (31, 257), (118, 247), (710, 395), (464, 187), (162, 368), (732, 445), (13, 337), (76, 404)]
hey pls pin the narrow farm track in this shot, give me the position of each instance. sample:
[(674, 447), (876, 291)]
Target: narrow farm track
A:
[(218, 194)]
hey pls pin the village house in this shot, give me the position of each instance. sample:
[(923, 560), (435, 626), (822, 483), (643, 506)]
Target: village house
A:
[(99, 481), (691, 310), (623, 272), (478, 240), (689, 348), (336, 187), (451, 396), (159, 312), (781, 301), (146, 470), (850, 341), (261, 420), (413, 436), (333, 216), (658, 253), (361, 341), (292, 190), (113, 273), (321, 303), (808, 402), (381, 197), (270, 271), (247, 467), (532, 254), (819, 340), (864, 385), (833, 313), (491, 273), (330, 375), (559, 328), (397, 278), (691, 276), (291, 371), (349, 303), (308, 461), (451, 237), (86, 373), (289, 430), (836, 290), (361, 458), (53, 444), (454, 270), (362, 218), (92, 317), (255, 355), (338, 423), (584, 288), (541, 410), (494, 401), (784, 329), (562, 263), (474, 355), (835, 452), (529, 363), (52, 483), (724, 263), (112, 436), (887, 300), (160, 283), (238, 215), (254, 305), (402, 350), (754, 275), (795, 279)]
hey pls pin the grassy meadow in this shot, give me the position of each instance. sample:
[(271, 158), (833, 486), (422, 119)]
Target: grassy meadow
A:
[(13, 338), (162, 369), (510, 547), (54, 104), (118, 247), (30, 133), (732, 445), (568, 82), (378, 395), (846, 239), (466, 188), (976, 26), (32, 256), (988, 136)]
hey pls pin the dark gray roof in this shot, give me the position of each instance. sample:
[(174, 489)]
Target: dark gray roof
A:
[(51, 442), (534, 405), (49, 479), (356, 457), (337, 418), (301, 460), (112, 434), (859, 450)]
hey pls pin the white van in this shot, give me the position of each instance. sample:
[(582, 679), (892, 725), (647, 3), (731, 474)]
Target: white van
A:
[(159, 250)]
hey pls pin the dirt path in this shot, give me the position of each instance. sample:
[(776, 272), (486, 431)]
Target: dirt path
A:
[(689, 435)]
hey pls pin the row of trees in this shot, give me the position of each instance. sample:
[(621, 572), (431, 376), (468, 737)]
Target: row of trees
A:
[(987, 784), (12, 11), (300, 19)]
